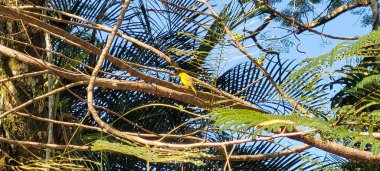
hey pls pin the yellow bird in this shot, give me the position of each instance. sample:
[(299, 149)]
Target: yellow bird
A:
[(187, 81), (260, 60)]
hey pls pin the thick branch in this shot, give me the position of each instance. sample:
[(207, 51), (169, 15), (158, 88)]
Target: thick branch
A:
[(335, 13), (343, 151)]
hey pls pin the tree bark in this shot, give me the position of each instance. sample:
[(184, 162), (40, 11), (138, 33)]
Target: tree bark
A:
[(375, 14), (18, 91)]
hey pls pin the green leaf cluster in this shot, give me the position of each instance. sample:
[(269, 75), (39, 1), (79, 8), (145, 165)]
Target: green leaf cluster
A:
[(151, 154)]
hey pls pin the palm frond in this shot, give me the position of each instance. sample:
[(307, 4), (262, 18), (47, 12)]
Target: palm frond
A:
[(247, 81)]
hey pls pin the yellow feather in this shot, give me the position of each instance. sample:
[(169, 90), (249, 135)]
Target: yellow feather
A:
[(187, 81)]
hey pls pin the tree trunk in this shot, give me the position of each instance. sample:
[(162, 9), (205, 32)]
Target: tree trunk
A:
[(375, 14), (14, 93)]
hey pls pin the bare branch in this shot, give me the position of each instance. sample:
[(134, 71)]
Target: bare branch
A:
[(24, 76), (91, 84), (40, 97), (42, 145)]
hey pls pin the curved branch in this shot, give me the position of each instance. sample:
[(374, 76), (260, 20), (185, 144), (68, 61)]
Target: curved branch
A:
[(261, 27)]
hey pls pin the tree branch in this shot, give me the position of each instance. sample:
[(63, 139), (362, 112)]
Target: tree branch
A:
[(232, 157), (257, 32), (14, 109), (335, 13), (347, 152), (303, 27), (24, 75), (42, 145), (94, 75)]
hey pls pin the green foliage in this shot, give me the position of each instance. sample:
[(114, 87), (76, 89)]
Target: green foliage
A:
[(352, 165), (242, 120), (369, 82), (151, 154), (367, 91), (363, 100)]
